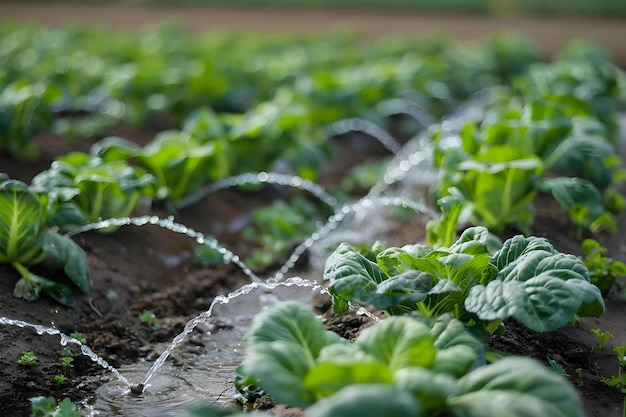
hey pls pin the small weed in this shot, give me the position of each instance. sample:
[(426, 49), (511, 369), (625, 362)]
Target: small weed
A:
[(579, 372), (557, 367), (618, 381), (603, 271), (80, 337), (28, 358), (47, 407), (601, 337), (149, 318), (111, 295), (31, 384), (66, 361), (60, 379)]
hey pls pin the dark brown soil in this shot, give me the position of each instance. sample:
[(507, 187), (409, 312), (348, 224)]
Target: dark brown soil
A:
[(150, 268)]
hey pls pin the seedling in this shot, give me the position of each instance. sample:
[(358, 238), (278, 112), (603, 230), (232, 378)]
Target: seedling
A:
[(149, 318), (602, 337), (60, 379), (28, 358), (618, 381), (66, 362), (79, 336)]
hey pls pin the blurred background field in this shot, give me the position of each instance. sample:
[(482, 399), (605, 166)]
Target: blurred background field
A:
[(611, 8)]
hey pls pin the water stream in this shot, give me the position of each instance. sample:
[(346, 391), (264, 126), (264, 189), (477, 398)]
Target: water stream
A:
[(169, 224), (64, 340)]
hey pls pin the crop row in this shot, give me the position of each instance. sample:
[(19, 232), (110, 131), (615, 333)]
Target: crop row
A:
[(244, 103)]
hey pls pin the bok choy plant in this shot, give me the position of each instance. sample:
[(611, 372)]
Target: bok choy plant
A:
[(26, 240), (476, 279), (410, 366), (97, 189)]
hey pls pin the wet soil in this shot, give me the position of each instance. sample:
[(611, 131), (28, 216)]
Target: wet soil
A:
[(137, 269)]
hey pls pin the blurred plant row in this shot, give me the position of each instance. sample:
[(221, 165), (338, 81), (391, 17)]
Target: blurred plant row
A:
[(230, 103)]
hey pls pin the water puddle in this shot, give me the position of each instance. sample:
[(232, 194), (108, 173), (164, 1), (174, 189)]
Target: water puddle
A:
[(169, 388)]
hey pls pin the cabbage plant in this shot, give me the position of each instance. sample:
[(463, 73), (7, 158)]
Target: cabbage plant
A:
[(478, 280), (96, 189), (409, 366), (25, 240)]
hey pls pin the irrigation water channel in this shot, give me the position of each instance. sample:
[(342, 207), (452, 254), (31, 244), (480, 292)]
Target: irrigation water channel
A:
[(161, 389)]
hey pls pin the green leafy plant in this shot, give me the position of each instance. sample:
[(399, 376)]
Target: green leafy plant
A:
[(26, 240), (149, 318), (477, 279), (60, 379), (24, 111), (279, 226), (601, 336), (618, 381), (180, 161), (401, 366), (603, 270), (47, 407), (97, 189), (28, 358)]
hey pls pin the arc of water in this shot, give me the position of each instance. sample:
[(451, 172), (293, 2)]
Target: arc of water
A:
[(409, 108), (65, 339), (356, 124), (223, 299), (264, 178), (334, 220), (418, 150), (170, 224)]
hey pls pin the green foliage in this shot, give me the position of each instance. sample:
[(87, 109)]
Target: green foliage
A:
[(601, 336), (97, 189), (280, 226), (28, 358), (618, 381), (525, 278), (25, 111), (79, 336), (149, 318), (47, 407), (603, 270), (60, 379), (25, 240), (409, 365)]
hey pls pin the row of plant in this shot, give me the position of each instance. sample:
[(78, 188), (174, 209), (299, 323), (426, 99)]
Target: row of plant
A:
[(493, 173), (429, 356)]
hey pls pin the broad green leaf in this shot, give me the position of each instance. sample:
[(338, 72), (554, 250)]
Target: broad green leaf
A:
[(31, 287), (398, 342), (281, 367), (367, 400), (20, 224), (65, 253), (327, 378), (473, 241), (518, 245), (430, 387), (515, 387), (543, 303), (292, 323), (352, 277)]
